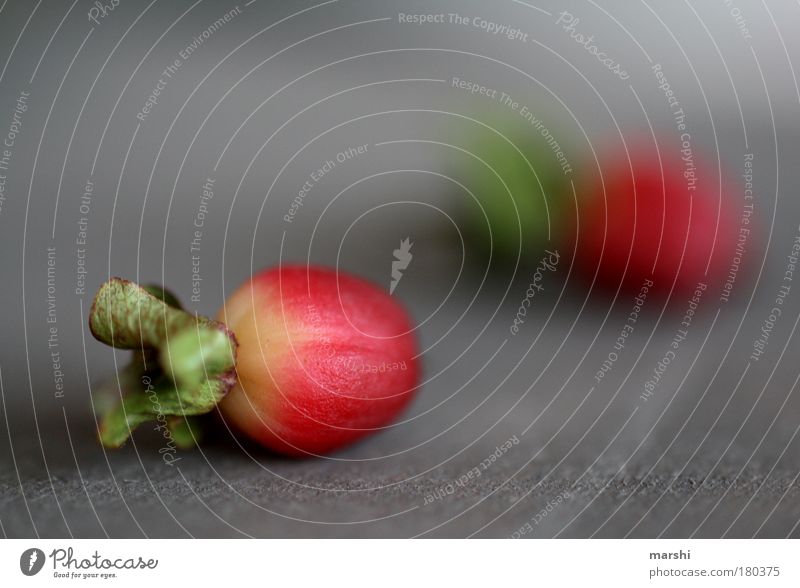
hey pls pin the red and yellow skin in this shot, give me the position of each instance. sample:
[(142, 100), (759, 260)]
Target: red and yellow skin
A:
[(644, 209), (324, 359)]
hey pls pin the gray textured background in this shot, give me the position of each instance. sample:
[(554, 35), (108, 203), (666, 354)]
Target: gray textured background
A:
[(714, 452)]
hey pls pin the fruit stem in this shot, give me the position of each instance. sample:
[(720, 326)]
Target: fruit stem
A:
[(183, 363)]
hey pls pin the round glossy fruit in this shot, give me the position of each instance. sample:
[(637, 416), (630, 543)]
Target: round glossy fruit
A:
[(324, 359)]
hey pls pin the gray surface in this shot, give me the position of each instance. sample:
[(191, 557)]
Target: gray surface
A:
[(714, 453), (736, 483)]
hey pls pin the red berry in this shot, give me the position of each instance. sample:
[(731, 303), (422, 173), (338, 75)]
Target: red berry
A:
[(324, 359), (643, 215)]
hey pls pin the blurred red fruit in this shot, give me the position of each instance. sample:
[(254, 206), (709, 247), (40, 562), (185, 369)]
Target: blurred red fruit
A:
[(639, 219)]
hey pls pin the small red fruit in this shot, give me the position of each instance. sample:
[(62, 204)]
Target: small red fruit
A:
[(310, 360), (654, 217), (324, 359)]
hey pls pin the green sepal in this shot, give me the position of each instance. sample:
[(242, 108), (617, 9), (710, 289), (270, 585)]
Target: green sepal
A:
[(186, 431), (183, 364)]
